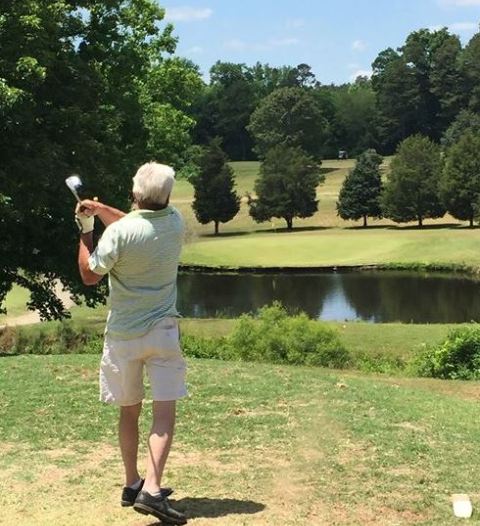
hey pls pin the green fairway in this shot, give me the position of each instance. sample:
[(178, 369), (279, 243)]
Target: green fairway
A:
[(324, 239), (250, 441), (332, 247)]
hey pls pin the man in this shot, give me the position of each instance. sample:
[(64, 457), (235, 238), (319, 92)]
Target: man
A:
[(140, 252)]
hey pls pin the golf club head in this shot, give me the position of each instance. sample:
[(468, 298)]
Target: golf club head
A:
[(75, 185)]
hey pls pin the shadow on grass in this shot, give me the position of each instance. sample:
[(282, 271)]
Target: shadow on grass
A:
[(280, 230), (443, 226), (325, 171), (318, 228), (204, 507)]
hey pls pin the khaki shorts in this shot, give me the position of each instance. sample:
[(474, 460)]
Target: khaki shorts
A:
[(121, 368)]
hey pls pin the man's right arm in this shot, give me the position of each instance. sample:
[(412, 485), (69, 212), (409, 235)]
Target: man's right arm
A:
[(106, 214)]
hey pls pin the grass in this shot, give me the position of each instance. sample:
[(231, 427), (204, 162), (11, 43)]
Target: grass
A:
[(15, 303), (324, 239), (261, 445), (336, 247)]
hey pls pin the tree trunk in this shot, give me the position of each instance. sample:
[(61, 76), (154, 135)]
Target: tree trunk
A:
[(420, 221), (471, 222), (216, 228), (289, 221), (364, 221)]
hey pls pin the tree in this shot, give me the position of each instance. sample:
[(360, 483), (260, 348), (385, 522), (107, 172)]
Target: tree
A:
[(75, 96), (354, 121), (470, 67), (411, 191), (465, 120), (291, 117), (215, 198), (460, 182), (421, 86), (224, 109), (447, 80), (361, 190), (287, 185), (398, 98)]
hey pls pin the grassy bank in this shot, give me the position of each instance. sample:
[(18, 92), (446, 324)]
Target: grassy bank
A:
[(372, 347), (260, 445)]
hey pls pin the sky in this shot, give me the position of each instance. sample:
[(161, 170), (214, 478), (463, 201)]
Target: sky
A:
[(339, 39)]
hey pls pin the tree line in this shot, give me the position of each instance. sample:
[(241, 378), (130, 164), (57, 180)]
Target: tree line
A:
[(424, 181), (421, 87)]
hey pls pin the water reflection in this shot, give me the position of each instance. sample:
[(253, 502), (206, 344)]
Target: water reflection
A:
[(370, 296)]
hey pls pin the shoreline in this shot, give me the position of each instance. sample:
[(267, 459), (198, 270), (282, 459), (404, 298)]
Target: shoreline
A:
[(448, 268)]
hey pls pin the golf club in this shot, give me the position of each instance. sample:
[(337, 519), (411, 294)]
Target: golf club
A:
[(75, 185)]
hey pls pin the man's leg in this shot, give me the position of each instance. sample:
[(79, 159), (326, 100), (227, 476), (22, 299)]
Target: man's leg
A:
[(128, 438), (159, 443)]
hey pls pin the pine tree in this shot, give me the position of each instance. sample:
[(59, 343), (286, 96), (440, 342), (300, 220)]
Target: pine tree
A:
[(411, 192), (287, 186), (361, 190), (215, 198)]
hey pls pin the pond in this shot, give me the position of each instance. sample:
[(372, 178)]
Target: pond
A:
[(373, 296)]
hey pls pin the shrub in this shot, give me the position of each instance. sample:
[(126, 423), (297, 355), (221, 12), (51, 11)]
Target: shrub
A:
[(272, 336), (275, 337), (458, 357), (65, 338), (379, 362), (198, 347)]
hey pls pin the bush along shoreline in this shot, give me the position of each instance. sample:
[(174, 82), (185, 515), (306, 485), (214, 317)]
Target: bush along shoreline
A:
[(274, 336)]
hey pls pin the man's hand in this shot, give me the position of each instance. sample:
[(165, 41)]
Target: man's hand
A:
[(105, 213), (84, 222), (91, 207)]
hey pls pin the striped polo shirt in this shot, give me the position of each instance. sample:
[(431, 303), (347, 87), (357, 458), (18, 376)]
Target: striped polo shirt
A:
[(140, 252)]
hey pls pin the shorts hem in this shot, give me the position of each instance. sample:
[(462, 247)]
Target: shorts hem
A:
[(183, 394), (121, 403)]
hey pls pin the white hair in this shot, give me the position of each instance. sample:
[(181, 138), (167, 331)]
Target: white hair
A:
[(153, 183)]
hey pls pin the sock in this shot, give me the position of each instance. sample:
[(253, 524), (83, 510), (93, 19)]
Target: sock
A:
[(136, 485), (156, 495)]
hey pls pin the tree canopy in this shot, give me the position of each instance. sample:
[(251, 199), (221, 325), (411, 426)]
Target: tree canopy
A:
[(460, 182), (411, 190), (360, 194), (291, 117), (85, 88), (215, 198), (286, 187)]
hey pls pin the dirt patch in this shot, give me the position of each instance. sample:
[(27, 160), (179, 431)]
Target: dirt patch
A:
[(410, 427)]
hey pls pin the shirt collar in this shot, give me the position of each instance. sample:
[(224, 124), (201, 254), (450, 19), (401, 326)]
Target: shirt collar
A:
[(150, 214)]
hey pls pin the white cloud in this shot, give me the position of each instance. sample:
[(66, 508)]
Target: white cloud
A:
[(195, 50), (359, 45), (280, 42), (361, 73), (240, 45), (295, 23), (457, 27), (187, 13), (459, 3), (236, 44), (462, 27)]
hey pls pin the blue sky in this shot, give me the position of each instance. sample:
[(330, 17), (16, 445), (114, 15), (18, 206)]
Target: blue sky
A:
[(338, 38)]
